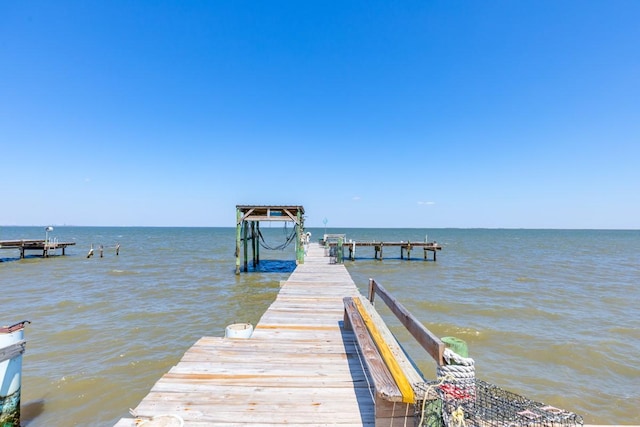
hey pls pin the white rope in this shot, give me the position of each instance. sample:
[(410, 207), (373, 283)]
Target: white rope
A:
[(451, 356), (425, 397), (456, 366), (364, 370), (460, 369)]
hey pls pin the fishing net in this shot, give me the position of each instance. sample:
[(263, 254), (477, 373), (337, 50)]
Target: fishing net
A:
[(475, 403)]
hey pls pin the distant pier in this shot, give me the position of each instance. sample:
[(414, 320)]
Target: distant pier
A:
[(43, 246), (340, 242)]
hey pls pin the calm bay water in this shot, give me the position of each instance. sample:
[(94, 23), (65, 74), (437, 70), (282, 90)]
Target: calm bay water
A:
[(550, 314)]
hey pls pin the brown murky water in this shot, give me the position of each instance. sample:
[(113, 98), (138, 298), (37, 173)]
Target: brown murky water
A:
[(553, 315)]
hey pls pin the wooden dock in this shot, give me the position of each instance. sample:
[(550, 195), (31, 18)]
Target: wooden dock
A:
[(300, 366), (45, 247), (340, 242), (405, 247)]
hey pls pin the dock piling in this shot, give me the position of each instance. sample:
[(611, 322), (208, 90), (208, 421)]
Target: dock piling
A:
[(12, 346)]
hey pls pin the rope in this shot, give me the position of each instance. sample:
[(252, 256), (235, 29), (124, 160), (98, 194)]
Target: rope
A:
[(456, 366), (449, 356), (366, 377), (280, 247), (458, 417), (426, 393)]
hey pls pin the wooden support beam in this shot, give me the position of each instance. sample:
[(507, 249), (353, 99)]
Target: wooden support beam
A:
[(430, 342), (299, 248), (245, 230), (258, 243), (238, 231), (253, 243)]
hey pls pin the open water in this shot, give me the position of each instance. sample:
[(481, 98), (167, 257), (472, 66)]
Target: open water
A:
[(550, 314)]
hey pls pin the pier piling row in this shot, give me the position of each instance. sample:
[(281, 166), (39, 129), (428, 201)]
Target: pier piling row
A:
[(405, 247)]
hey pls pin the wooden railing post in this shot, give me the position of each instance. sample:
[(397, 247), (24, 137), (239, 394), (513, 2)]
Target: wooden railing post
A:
[(372, 290)]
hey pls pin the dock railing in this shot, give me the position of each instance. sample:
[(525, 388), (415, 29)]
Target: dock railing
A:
[(396, 383), (430, 342)]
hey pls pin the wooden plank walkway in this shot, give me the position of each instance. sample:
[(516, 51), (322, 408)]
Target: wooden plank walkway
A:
[(300, 367), (45, 246)]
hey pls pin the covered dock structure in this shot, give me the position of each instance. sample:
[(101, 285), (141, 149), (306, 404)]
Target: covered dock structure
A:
[(248, 219)]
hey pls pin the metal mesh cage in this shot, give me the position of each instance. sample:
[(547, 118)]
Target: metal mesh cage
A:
[(475, 403)]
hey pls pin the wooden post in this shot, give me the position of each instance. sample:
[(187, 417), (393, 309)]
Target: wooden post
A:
[(117, 249), (408, 250), (238, 231), (372, 290), (245, 230), (12, 346), (253, 242), (258, 243), (299, 248), (101, 251)]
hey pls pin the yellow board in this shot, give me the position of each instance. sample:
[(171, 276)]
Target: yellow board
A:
[(396, 372)]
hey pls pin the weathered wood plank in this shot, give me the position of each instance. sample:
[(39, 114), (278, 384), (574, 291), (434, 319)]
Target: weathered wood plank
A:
[(430, 342), (384, 384), (408, 369)]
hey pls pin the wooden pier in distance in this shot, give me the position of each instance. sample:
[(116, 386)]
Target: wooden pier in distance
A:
[(45, 247), (330, 240)]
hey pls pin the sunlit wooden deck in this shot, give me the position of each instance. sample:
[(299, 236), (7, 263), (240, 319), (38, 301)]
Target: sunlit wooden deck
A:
[(300, 367)]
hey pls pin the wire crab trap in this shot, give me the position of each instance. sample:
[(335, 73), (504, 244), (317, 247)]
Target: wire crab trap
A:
[(475, 403)]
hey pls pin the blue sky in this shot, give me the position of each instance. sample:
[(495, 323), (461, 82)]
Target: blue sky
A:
[(420, 114)]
